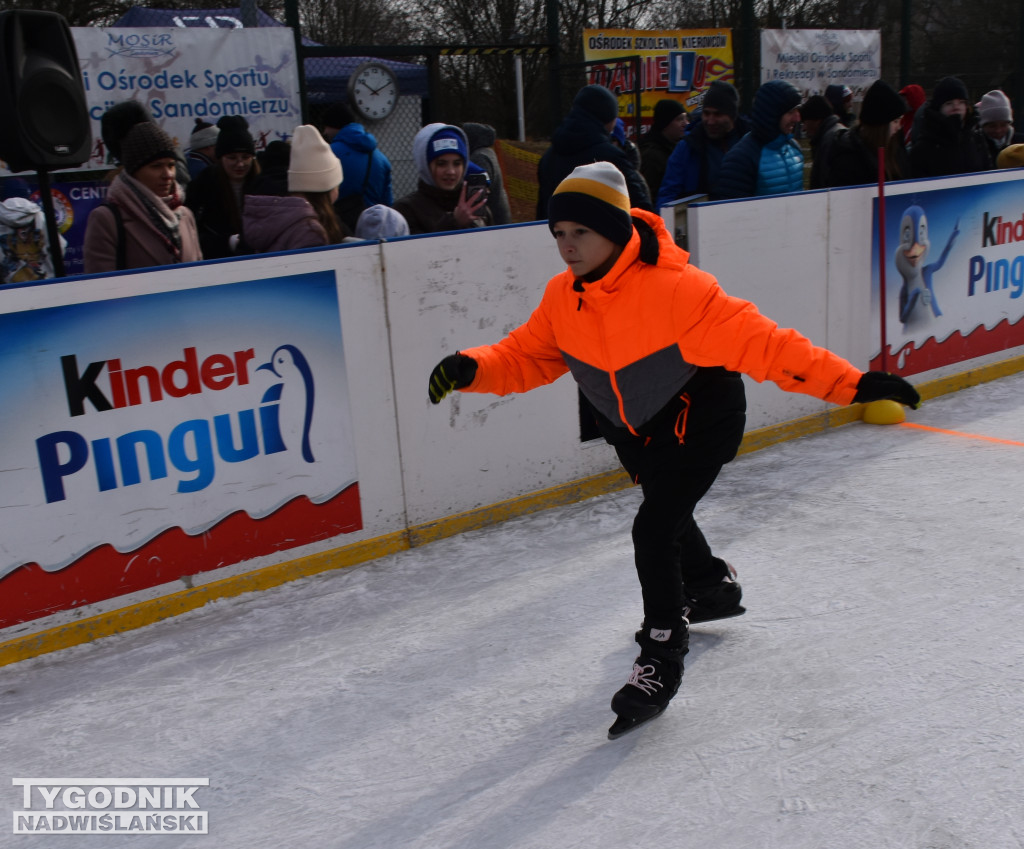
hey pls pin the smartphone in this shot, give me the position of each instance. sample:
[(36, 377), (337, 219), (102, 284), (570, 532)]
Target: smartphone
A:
[(476, 183)]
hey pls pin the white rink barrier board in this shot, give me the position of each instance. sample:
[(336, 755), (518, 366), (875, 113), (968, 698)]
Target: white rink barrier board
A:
[(199, 431)]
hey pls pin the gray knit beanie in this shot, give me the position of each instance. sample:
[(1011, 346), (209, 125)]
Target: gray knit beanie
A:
[(145, 143), (204, 134), (723, 97), (994, 106), (381, 222)]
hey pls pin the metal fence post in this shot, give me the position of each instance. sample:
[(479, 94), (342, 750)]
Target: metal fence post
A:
[(291, 18)]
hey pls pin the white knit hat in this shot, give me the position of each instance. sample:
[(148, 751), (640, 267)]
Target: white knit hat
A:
[(313, 167), (994, 106)]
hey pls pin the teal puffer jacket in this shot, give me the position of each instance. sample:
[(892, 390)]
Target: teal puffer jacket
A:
[(782, 167), (765, 161)]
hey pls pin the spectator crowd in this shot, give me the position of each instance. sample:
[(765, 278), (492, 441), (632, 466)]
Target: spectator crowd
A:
[(332, 184)]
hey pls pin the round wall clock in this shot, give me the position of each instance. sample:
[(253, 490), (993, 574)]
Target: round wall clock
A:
[(373, 91)]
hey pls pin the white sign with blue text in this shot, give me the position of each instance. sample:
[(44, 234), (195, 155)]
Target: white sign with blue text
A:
[(814, 59), (184, 74)]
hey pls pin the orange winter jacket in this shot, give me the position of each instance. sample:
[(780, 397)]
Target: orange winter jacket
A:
[(633, 338)]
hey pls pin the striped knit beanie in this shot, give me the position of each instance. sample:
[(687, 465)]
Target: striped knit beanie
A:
[(595, 196)]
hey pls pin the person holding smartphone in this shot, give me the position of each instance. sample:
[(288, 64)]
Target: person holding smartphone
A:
[(477, 182), (443, 200)]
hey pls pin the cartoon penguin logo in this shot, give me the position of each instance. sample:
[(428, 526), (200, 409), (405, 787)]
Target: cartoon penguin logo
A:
[(298, 391), (918, 279)]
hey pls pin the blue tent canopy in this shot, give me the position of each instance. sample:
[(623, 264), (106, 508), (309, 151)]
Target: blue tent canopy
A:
[(139, 16), (326, 76)]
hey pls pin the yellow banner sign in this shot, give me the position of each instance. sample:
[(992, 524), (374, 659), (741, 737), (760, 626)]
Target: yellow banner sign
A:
[(676, 64)]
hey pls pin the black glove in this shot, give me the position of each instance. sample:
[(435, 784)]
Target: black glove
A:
[(879, 385), (453, 372)]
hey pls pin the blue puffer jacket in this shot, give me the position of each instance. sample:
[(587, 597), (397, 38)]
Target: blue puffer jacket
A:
[(693, 166), (782, 167), (765, 161), (357, 150)]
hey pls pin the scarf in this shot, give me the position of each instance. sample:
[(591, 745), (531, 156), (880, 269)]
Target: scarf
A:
[(161, 213)]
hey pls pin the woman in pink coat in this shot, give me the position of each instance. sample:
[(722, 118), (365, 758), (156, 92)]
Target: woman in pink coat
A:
[(143, 222)]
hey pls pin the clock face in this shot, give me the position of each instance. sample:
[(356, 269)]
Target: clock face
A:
[(373, 91)]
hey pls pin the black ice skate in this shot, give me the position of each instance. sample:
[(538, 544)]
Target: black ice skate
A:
[(716, 602), (655, 678)]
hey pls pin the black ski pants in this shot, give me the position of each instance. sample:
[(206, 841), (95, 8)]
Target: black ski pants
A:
[(675, 467)]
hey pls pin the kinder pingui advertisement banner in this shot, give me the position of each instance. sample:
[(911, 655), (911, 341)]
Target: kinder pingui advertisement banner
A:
[(954, 275), (676, 64), (158, 436)]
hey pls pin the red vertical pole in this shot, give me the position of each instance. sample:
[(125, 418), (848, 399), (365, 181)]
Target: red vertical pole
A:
[(881, 253)]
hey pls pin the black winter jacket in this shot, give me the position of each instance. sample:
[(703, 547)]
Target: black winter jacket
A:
[(217, 217), (851, 163), (431, 209), (821, 146), (946, 145), (655, 150), (579, 140)]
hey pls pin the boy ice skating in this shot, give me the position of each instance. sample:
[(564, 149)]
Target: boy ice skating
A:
[(655, 346)]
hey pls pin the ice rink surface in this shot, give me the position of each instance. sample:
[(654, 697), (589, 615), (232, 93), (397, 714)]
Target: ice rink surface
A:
[(457, 696)]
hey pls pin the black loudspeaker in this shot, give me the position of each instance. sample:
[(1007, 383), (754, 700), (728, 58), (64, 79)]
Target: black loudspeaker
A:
[(44, 117)]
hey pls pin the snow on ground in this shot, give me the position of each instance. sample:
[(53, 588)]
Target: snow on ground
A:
[(456, 696)]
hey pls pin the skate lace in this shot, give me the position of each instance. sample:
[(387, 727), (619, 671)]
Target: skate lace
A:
[(642, 677)]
